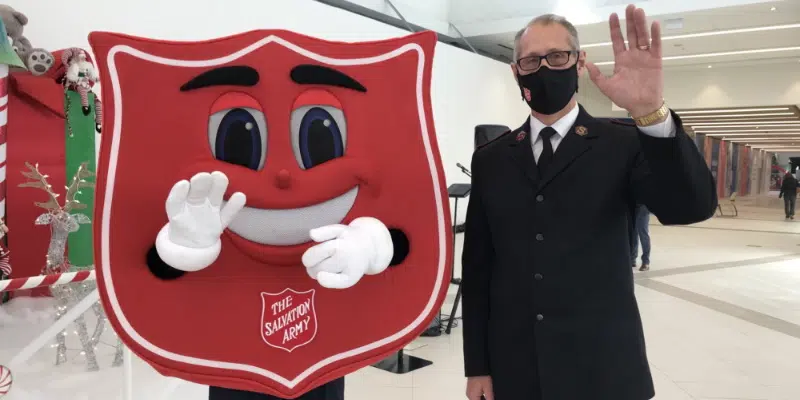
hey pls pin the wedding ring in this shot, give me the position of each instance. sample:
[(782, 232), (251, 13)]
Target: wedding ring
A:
[(644, 47)]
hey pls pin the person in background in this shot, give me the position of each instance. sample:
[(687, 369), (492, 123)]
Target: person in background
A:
[(641, 233), (548, 295), (789, 194)]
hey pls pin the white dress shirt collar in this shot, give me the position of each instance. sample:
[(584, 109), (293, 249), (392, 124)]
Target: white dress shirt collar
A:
[(562, 126)]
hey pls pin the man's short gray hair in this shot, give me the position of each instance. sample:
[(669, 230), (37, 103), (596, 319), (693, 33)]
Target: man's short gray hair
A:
[(548, 19)]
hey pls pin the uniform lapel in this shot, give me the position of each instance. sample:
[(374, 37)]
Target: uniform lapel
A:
[(575, 143), (522, 152)]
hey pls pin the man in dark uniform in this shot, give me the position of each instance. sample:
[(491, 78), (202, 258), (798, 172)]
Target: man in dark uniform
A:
[(549, 306)]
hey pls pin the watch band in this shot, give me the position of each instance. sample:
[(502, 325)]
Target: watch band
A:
[(653, 117)]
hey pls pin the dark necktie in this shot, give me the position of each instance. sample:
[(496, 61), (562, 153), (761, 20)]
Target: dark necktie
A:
[(546, 158)]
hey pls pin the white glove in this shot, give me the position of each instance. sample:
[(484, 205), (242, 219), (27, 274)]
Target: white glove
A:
[(346, 253), (190, 241)]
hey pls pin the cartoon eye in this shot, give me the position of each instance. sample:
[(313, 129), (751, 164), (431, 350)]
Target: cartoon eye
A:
[(319, 134), (33, 57), (238, 136), (49, 60)]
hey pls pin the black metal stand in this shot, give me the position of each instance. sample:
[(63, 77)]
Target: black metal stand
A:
[(402, 363), (456, 191), (453, 311), (453, 279)]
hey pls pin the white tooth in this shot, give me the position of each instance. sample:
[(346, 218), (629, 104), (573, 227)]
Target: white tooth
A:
[(291, 226)]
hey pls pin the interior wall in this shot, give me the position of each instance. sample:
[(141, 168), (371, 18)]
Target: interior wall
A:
[(467, 90), (734, 85), (595, 102), (720, 86)]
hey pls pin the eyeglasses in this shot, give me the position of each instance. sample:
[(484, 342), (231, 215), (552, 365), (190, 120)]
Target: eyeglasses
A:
[(555, 59)]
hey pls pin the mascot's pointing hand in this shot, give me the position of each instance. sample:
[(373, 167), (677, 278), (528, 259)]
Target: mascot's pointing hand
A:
[(345, 253), (190, 241)]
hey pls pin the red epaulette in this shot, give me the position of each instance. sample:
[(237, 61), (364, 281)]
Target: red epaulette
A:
[(492, 141)]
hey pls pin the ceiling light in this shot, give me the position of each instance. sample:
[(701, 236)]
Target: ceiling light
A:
[(773, 9), (736, 133), (709, 66), (734, 116), (720, 54), (747, 123), (763, 139), (711, 33), (737, 120), (729, 110), (759, 131)]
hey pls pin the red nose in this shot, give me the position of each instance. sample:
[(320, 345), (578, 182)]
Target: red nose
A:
[(283, 179)]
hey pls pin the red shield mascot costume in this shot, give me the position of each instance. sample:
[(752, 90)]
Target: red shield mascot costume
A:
[(271, 208)]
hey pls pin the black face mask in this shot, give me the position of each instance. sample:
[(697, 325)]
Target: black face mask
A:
[(549, 90)]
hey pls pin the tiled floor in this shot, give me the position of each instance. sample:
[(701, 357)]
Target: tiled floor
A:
[(721, 308)]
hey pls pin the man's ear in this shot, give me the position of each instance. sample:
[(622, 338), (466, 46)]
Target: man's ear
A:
[(581, 62)]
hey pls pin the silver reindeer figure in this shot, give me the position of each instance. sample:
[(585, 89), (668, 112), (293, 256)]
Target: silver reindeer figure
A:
[(62, 223)]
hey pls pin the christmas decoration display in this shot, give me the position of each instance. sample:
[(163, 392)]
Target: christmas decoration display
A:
[(82, 120), (302, 228), (62, 222)]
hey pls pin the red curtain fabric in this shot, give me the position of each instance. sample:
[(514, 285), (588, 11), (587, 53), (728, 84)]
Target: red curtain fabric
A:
[(722, 169)]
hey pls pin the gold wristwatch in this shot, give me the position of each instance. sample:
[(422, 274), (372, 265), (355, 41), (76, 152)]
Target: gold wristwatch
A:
[(653, 117)]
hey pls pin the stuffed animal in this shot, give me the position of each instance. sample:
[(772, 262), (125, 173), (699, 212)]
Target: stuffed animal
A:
[(38, 61), (80, 76), (22, 45), (14, 20)]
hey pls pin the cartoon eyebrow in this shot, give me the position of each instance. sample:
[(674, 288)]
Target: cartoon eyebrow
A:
[(320, 75), (233, 75)]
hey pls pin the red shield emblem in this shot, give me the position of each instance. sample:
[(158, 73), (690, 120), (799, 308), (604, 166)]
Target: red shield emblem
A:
[(288, 319), (314, 133)]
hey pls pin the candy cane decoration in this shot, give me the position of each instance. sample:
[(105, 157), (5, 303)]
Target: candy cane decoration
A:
[(6, 379), (46, 280), (3, 128)]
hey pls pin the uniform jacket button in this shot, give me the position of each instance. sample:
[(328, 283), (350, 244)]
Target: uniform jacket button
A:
[(539, 317), (539, 198), (538, 277), (539, 237)]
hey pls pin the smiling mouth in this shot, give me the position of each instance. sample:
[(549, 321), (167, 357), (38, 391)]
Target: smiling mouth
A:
[(288, 227)]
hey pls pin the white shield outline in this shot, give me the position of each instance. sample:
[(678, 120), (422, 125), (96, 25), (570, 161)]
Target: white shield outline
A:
[(108, 283)]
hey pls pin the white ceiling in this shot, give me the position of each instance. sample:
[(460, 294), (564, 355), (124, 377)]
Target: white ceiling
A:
[(490, 25), (713, 23), (479, 17), (771, 128)]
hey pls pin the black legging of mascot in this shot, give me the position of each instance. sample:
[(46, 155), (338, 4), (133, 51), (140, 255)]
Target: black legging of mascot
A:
[(333, 390)]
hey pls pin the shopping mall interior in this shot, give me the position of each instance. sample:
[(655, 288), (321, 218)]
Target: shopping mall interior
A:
[(719, 299)]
